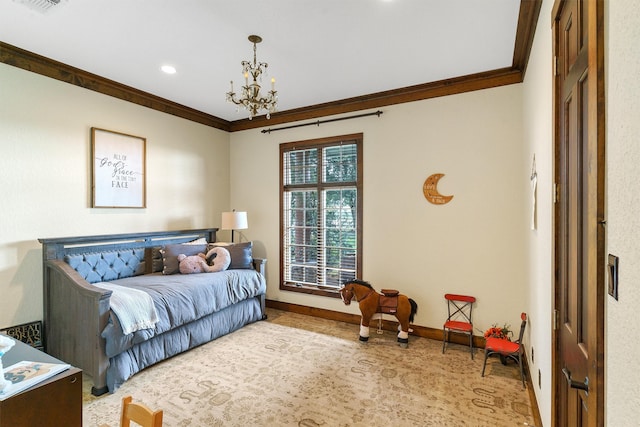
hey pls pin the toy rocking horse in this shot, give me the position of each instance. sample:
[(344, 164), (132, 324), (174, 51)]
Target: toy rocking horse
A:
[(371, 302)]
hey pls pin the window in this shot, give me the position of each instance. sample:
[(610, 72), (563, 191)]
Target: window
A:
[(321, 214)]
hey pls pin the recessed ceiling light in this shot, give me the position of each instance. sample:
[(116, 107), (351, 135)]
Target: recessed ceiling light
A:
[(169, 69)]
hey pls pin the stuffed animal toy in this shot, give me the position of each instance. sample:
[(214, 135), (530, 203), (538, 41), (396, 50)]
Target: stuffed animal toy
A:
[(218, 258), (193, 264)]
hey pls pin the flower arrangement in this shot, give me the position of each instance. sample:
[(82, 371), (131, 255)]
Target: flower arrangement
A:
[(501, 332)]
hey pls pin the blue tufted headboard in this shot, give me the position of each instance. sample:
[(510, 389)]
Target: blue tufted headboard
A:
[(110, 265), (114, 256)]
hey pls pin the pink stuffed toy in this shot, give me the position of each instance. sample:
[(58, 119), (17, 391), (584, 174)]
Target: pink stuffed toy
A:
[(219, 259), (193, 264)]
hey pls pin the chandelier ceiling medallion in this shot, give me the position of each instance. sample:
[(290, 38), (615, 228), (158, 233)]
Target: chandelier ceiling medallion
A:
[(251, 98)]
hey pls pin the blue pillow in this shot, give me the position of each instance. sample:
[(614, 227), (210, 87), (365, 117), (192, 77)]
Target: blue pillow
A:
[(241, 254)]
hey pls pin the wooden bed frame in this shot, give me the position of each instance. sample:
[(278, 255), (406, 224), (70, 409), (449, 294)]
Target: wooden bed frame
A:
[(76, 312)]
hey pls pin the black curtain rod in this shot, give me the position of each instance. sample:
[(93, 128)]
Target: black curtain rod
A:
[(319, 122)]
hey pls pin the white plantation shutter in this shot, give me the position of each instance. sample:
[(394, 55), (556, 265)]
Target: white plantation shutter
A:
[(321, 212)]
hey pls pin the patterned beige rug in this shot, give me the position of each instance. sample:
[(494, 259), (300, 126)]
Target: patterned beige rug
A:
[(295, 370)]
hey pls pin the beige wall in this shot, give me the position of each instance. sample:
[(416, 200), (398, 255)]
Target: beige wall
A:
[(538, 141), (45, 177), (622, 47), (473, 245)]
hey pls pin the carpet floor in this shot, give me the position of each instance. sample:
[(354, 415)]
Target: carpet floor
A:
[(296, 370)]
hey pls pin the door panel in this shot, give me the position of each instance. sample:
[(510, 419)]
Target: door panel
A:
[(579, 235), (573, 350)]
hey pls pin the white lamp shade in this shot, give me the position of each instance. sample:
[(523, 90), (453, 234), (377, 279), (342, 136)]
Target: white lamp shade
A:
[(234, 221)]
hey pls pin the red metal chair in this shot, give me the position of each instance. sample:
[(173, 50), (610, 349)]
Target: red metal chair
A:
[(507, 349), (459, 309)]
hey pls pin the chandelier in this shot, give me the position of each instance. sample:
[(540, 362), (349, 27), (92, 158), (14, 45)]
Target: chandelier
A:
[(252, 99)]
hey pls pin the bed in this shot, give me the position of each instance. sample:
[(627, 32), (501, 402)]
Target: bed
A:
[(87, 279)]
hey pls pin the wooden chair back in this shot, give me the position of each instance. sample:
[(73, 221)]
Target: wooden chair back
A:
[(139, 414)]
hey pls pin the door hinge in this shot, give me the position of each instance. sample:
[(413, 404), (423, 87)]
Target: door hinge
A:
[(555, 65), (556, 316), (556, 193)]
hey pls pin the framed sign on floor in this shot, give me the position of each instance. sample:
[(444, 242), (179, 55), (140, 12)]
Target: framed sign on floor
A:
[(118, 170)]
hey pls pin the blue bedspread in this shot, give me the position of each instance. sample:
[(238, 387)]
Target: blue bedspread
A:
[(173, 342), (181, 299)]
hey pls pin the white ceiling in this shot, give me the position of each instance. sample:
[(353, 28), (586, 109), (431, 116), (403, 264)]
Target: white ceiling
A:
[(318, 50)]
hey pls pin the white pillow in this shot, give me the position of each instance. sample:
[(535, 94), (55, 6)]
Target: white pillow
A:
[(200, 241), (219, 258)]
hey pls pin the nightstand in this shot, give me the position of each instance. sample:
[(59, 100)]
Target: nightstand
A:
[(55, 402)]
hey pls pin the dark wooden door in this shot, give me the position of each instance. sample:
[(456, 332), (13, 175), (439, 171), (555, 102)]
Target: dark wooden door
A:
[(579, 225)]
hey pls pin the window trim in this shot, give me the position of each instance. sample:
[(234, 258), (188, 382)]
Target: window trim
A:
[(356, 138)]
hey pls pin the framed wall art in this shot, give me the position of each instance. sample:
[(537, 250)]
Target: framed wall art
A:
[(118, 170)]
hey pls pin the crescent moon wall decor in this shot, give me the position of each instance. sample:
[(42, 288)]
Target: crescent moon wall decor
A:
[(430, 190)]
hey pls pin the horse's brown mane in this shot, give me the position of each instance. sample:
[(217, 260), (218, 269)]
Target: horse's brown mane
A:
[(360, 282)]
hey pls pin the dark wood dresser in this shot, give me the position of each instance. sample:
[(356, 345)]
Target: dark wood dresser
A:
[(55, 402)]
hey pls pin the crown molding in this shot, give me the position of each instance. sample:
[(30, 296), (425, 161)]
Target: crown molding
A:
[(527, 21), (440, 88), (44, 66)]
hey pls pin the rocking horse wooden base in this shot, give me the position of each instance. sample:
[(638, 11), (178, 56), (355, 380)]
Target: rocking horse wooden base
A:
[(402, 342), (372, 303)]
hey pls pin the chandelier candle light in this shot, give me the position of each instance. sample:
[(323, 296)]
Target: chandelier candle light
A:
[(251, 98)]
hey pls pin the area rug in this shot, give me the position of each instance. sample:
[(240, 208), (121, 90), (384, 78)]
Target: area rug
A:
[(296, 370)]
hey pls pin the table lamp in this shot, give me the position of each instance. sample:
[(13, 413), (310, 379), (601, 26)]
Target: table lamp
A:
[(234, 221)]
